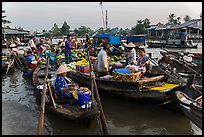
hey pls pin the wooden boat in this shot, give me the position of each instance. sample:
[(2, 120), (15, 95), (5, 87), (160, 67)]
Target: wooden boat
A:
[(189, 89), (181, 63), (192, 108), (141, 90), (155, 44), (67, 108), (180, 46)]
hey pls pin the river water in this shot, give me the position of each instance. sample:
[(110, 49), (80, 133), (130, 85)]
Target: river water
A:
[(20, 113)]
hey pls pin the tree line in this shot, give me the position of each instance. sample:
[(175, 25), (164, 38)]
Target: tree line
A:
[(139, 28)]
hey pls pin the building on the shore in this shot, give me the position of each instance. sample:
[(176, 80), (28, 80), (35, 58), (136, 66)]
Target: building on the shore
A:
[(193, 28), (10, 33)]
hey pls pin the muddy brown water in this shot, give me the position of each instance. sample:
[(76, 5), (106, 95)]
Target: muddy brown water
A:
[(20, 114)]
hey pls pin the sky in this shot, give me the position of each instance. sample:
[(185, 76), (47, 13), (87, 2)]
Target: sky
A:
[(38, 16)]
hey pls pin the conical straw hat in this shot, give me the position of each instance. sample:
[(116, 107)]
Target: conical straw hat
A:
[(12, 45), (62, 69), (131, 45)]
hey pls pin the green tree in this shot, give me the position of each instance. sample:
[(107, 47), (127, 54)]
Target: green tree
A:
[(140, 27), (177, 21), (100, 30), (173, 20), (83, 30), (146, 22), (65, 29), (55, 30), (187, 18), (114, 30), (108, 30), (76, 32), (47, 34)]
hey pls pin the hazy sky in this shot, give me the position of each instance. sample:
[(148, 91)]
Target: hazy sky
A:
[(42, 15)]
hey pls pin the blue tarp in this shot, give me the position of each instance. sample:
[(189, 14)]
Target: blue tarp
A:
[(180, 33), (104, 35), (122, 71), (115, 40), (139, 38)]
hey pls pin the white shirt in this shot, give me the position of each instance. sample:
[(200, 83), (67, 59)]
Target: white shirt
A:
[(102, 61), (31, 43), (132, 56)]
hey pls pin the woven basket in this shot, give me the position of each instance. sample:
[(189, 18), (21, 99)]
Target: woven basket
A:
[(127, 77)]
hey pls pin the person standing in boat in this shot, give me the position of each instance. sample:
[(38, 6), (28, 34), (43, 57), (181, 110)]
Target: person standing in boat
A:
[(64, 86), (102, 66), (31, 43), (131, 57), (67, 49)]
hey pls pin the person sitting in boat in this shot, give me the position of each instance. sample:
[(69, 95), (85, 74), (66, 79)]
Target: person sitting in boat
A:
[(143, 61), (131, 57), (41, 49), (30, 60), (64, 86)]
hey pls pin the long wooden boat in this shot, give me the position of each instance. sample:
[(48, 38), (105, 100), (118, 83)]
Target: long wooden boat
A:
[(155, 44), (141, 90), (183, 66), (68, 109), (181, 46), (192, 108)]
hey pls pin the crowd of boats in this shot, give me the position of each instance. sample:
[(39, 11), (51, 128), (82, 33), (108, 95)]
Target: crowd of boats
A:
[(172, 81)]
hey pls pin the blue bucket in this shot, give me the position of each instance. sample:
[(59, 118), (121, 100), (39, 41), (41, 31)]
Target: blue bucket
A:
[(83, 97)]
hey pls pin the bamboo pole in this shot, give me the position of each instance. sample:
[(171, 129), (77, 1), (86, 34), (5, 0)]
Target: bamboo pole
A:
[(42, 111), (102, 116), (53, 101)]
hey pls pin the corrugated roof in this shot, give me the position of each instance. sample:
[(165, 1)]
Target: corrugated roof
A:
[(14, 33), (191, 23)]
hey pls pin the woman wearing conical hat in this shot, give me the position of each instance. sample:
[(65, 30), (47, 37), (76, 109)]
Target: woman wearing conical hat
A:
[(131, 58), (64, 86)]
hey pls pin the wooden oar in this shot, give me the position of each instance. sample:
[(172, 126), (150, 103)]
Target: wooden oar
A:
[(102, 116), (53, 101), (42, 111)]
